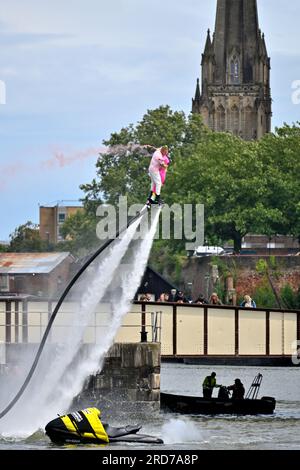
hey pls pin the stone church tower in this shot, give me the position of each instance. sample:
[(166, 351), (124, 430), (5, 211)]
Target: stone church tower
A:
[(235, 95)]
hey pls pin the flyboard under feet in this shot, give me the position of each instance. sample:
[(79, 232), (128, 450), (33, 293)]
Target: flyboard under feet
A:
[(150, 204)]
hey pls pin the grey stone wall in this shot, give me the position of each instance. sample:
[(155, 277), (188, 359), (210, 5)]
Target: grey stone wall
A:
[(129, 381)]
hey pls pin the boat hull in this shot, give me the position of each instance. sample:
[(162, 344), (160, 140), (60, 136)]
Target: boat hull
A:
[(198, 405)]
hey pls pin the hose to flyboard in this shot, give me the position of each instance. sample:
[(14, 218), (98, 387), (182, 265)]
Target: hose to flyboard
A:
[(58, 305)]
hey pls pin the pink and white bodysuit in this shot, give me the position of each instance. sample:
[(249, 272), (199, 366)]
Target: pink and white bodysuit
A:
[(162, 172), (157, 173)]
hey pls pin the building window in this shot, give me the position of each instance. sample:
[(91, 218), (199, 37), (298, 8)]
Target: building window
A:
[(220, 119), (61, 218), (4, 283), (235, 120), (249, 131), (234, 71)]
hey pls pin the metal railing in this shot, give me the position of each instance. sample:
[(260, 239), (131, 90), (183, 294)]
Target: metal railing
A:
[(182, 329)]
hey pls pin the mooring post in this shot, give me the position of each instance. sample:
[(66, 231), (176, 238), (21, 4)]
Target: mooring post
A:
[(143, 330)]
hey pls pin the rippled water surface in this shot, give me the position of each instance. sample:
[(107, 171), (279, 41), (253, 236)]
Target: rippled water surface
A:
[(279, 431)]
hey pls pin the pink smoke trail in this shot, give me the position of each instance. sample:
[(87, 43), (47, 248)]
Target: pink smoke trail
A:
[(61, 160)]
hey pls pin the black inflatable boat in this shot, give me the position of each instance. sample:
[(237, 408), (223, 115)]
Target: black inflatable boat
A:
[(251, 405), (85, 427), (198, 405)]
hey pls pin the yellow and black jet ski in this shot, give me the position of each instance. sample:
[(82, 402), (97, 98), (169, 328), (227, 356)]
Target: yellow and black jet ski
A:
[(85, 426)]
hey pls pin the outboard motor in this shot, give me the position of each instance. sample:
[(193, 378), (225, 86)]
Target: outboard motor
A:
[(223, 393)]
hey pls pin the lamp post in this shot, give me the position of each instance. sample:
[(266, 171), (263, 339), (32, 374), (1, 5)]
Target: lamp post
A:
[(190, 289), (207, 278), (48, 238)]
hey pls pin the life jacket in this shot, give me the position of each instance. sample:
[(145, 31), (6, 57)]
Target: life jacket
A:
[(209, 382), (86, 424)]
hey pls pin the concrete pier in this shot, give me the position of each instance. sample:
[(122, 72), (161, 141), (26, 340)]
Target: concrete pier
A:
[(128, 383)]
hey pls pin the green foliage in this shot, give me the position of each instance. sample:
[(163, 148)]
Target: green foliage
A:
[(220, 290), (79, 230), (289, 297), (270, 269), (26, 238), (224, 173), (3, 248), (264, 296), (166, 261), (279, 153), (261, 266)]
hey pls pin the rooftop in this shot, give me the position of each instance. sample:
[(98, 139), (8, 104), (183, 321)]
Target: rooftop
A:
[(32, 263)]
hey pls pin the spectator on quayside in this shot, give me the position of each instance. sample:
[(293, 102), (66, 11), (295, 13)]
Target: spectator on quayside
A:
[(248, 302), (143, 298), (201, 300), (172, 296), (214, 299), (181, 298), (146, 297), (164, 297)]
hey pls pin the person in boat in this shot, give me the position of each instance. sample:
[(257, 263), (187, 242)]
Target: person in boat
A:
[(238, 390), (209, 383)]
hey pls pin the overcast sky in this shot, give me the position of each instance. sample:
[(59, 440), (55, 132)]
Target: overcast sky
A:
[(77, 70)]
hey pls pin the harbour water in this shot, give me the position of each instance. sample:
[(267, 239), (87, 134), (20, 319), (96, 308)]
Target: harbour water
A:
[(280, 431)]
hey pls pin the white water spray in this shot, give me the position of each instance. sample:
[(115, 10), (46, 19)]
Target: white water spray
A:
[(48, 393), (130, 279), (178, 431)]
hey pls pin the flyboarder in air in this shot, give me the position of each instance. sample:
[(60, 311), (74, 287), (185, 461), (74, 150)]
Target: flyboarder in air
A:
[(157, 172)]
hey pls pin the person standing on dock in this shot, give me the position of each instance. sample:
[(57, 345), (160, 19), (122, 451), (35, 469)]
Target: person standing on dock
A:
[(209, 384)]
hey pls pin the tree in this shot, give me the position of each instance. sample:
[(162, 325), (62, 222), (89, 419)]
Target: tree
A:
[(79, 231), (223, 173), (270, 270), (279, 153), (25, 238)]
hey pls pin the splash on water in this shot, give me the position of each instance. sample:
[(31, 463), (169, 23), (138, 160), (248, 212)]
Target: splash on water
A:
[(178, 431)]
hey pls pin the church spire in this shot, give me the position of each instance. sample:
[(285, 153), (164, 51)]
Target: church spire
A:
[(235, 93), (198, 93), (208, 45), (236, 29), (197, 100)]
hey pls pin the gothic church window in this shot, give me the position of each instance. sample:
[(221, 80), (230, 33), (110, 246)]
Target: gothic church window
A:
[(220, 119), (234, 71), (248, 123), (234, 120)]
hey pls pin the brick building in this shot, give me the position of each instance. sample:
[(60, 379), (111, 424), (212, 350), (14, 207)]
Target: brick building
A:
[(52, 219), (38, 274)]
